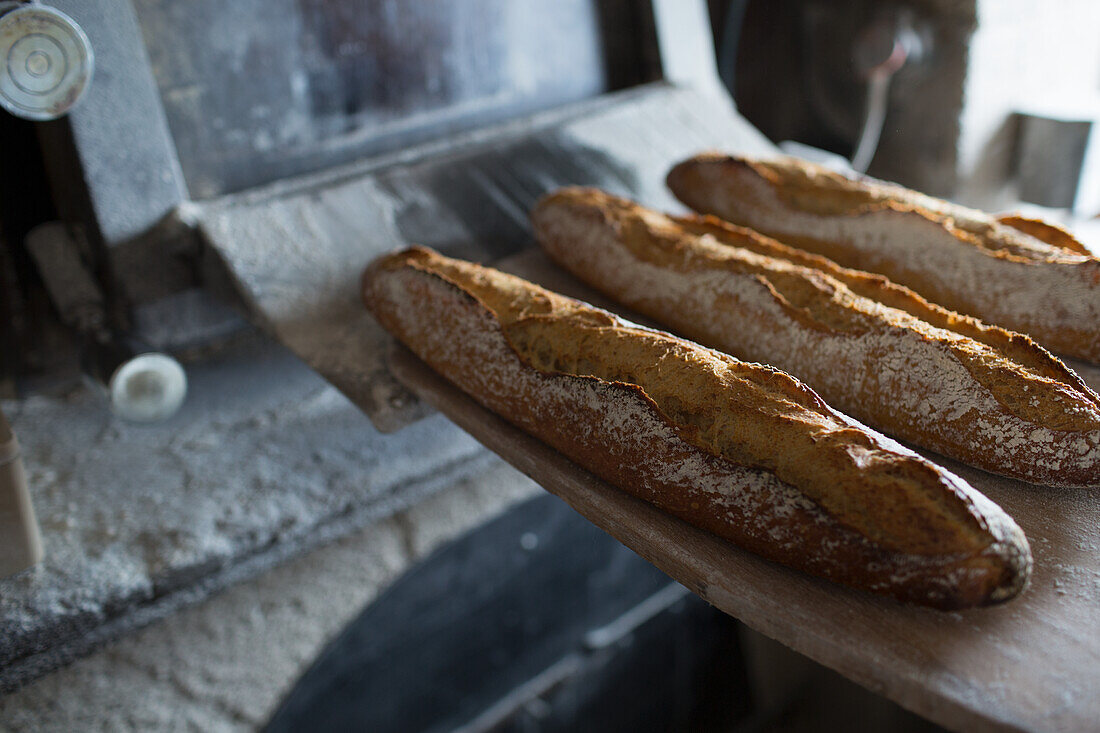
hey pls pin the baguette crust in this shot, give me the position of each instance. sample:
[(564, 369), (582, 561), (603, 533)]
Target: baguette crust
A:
[(1022, 274), (876, 350), (741, 450)]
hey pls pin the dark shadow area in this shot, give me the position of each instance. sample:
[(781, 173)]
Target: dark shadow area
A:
[(536, 621)]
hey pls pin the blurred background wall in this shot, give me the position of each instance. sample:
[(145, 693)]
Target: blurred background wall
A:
[(988, 101)]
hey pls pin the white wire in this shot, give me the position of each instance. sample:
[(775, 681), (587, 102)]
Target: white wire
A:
[(878, 94)]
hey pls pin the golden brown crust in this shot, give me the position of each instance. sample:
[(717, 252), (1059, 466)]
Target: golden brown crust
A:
[(980, 394), (1046, 232), (739, 449), (1022, 274)]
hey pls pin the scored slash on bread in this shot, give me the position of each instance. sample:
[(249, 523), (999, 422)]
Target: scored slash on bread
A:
[(741, 450), (1019, 273), (876, 350)]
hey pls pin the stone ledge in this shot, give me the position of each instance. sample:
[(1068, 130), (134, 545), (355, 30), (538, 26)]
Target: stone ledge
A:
[(264, 461), (226, 663)]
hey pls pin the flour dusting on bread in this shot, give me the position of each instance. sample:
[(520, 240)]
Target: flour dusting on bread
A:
[(458, 317), (1030, 418)]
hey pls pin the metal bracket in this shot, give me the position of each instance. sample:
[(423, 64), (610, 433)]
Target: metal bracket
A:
[(686, 43)]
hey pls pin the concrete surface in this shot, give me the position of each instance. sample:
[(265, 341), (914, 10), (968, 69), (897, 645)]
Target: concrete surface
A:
[(224, 664), (264, 461)]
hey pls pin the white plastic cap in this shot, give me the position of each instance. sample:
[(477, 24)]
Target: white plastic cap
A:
[(46, 61), (148, 388)]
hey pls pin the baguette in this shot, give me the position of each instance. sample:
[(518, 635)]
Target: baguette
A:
[(875, 350), (741, 450), (1019, 273)]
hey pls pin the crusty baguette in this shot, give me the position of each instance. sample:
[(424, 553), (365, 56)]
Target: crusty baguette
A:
[(741, 450), (877, 351), (1022, 274)]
